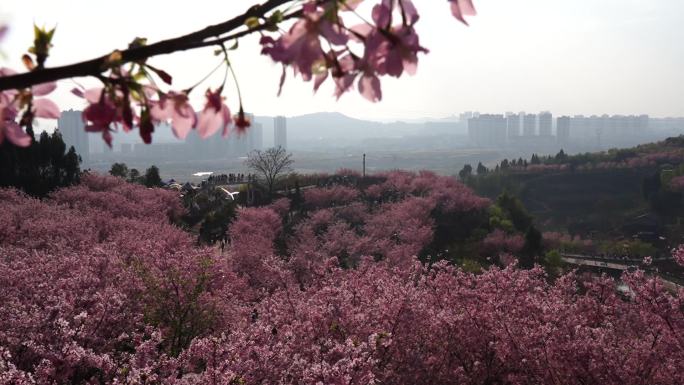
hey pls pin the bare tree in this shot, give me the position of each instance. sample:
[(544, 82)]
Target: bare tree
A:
[(270, 164)]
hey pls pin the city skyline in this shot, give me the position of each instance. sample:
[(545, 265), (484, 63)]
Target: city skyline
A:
[(527, 129)]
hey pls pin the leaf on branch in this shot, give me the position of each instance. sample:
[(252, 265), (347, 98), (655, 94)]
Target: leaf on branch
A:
[(276, 17), (41, 43), (138, 42), (273, 20)]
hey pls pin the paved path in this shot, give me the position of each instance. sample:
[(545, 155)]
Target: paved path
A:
[(588, 260)]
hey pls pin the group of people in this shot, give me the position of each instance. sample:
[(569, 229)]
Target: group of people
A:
[(231, 178)]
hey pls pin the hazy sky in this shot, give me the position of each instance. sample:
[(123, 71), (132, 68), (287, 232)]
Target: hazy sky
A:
[(566, 56)]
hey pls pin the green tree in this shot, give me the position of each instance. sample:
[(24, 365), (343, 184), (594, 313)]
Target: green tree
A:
[(532, 247), (152, 178), (217, 218), (561, 156), (466, 172), (296, 198), (120, 170), (516, 211), (41, 167), (553, 263), (134, 176), (481, 169)]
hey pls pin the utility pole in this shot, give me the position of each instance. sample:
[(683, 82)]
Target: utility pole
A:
[(364, 165)]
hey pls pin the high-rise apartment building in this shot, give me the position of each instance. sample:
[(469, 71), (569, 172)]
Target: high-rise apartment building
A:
[(71, 126), (545, 123), (513, 125), (280, 132), (563, 129), (608, 129), (487, 130), (529, 125), (255, 135)]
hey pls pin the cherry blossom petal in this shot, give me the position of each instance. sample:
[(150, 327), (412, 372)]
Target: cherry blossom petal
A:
[(461, 8), (16, 135), (381, 15), (4, 71), (182, 122), (410, 11), (43, 89), (161, 111), (410, 66), (208, 122), (93, 95), (343, 84), (333, 33), (227, 120), (369, 87), (319, 79), (467, 7), (107, 136), (46, 108), (361, 29)]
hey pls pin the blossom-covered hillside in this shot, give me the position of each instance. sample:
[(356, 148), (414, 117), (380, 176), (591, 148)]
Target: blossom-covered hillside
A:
[(98, 286)]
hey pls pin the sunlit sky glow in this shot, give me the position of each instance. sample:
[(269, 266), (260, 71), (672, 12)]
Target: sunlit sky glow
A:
[(566, 56)]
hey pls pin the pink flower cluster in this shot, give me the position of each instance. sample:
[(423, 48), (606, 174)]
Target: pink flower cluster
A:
[(389, 43), (558, 240), (498, 241), (443, 326), (642, 159), (392, 220), (678, 255), (96, 283), (540, 168), (111, 107), (447, 194), (336, 195), (253, 254), (33, 104)]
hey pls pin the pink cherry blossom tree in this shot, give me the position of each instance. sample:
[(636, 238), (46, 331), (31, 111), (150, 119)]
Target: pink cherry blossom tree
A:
[(96, 294)]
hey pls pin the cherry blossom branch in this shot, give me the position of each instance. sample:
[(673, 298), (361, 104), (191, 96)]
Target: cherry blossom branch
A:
[(186, 42), (131, 99)]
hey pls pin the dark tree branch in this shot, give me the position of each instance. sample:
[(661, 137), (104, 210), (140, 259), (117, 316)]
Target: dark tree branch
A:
[(239, 34), (98, 65)]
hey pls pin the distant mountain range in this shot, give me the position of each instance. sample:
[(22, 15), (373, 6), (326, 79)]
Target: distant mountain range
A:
[(330, 130), (333, 129)]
